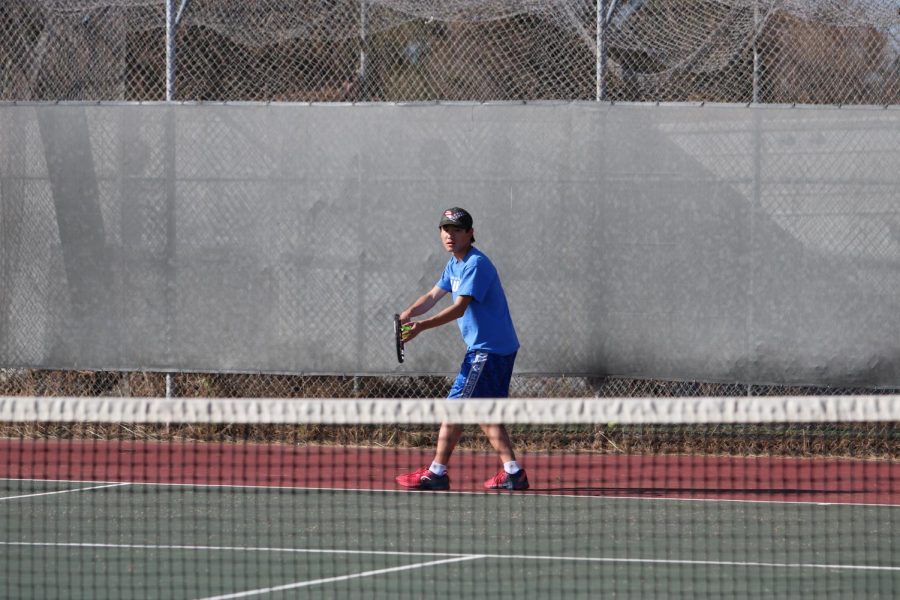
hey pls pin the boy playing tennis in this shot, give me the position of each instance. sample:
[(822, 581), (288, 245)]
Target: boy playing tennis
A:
[(480, 308)]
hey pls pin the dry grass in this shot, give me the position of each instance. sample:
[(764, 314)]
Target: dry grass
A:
[(852, 440)]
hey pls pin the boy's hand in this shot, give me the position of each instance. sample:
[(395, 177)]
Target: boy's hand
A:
[(409, 330)]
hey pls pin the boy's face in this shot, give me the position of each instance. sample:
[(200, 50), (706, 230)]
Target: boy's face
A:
[(456, 239)]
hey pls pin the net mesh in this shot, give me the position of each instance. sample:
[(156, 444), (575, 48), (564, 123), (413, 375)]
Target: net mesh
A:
[(270, 497)]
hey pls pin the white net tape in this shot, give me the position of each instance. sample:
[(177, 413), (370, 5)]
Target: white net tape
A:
[(618, 411)]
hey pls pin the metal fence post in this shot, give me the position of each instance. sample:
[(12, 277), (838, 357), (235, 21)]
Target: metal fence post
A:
[(171, 17), (362, 93), (601, 49), (170, 50), (756, 64)]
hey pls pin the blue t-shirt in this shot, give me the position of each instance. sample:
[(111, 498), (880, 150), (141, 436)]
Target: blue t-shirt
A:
[(486, 325)]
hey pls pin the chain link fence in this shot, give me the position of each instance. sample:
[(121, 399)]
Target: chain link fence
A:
[(742, 51), (34, 382), (739, 51)]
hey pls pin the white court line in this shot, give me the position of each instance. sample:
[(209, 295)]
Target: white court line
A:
[(96, 487), (529, 494), (596, 559), (722, 563), (300, 584), (231, 549)]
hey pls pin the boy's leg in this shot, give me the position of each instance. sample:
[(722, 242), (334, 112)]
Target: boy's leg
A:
[(499, 438), (469, 372), (448, 436), (447, 440), (431, 477), (494, 383), (511, 476)]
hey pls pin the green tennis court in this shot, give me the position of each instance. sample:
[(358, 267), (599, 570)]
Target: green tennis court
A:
[(104, 540)]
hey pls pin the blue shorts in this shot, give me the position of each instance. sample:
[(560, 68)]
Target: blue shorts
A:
[(483, 375)]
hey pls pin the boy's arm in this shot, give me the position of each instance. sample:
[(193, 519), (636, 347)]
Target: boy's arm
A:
[(451, 313), (423, 304)]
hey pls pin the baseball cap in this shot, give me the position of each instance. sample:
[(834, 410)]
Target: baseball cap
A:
[(457, 216)]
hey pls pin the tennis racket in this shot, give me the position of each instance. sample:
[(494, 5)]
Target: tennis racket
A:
[(398, 338)]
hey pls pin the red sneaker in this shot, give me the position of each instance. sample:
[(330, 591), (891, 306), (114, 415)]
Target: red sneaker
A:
[(424, 479), (505, 481)]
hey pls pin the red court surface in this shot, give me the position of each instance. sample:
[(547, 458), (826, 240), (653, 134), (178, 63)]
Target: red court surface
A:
[(685, 477)]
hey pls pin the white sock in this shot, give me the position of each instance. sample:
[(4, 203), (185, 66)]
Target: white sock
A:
[(437, 468), (511, 467)]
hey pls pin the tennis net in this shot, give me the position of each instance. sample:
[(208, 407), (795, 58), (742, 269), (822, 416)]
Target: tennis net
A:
[(279, 498)]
